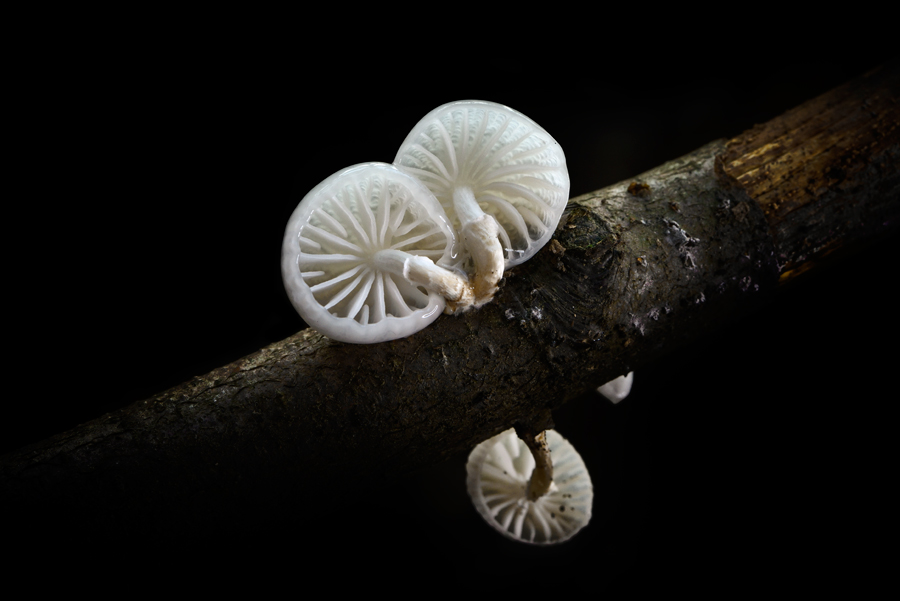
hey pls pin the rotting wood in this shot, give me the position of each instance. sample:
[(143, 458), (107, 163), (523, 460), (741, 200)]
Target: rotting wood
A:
[(686, 248)]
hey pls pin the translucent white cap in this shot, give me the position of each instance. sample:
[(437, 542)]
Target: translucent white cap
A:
[(331, 238), (498, 473), (616, 390), (516, 170)]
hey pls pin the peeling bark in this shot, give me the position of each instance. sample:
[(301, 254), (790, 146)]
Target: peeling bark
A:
[(824, 173)]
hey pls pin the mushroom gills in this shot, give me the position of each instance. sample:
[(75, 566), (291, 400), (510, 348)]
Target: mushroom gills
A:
[(501, 178), (366, 256), (499, 470)]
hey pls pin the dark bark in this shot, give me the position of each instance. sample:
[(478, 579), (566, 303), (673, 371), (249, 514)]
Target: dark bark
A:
[(635, 272), (824, 173)]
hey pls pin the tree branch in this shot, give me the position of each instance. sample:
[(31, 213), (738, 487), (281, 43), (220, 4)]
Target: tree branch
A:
[(635, 272)]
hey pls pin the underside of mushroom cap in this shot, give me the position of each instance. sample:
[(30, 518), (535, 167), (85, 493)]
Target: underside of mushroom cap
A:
[(515, 169), (498, 473), (328, 256)]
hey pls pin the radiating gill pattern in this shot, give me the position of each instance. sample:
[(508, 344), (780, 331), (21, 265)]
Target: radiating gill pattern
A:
[(367, 213), (516, 170), (552, 518)]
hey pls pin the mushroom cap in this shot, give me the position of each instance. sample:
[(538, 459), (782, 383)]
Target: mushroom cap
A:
[(498, 473), (516, 170), (616, 390), (329, 245)]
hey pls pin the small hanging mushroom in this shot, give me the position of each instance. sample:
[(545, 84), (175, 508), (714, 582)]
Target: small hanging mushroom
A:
[(501, 471), (500, 177), (616, 390), (366, 256)]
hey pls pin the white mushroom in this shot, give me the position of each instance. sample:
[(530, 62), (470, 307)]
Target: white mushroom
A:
[(616, 390), (362, 256), (499, 472), (501, 178)]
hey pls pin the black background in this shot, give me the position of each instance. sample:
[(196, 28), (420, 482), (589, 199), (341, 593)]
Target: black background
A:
[(155, 178)]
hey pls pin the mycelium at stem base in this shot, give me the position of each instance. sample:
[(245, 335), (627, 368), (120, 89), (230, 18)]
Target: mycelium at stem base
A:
[(480, 234), (500, 177), (422, 270)]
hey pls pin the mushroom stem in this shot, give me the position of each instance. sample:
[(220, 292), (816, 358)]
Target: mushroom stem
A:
[(422, 271), (542, 476), (480, 234)]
